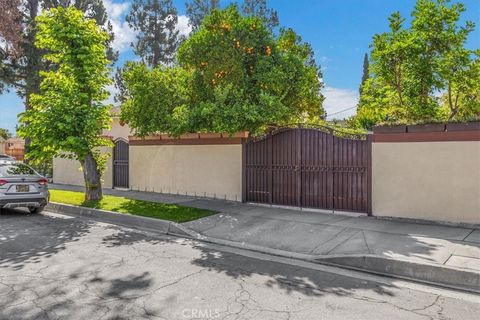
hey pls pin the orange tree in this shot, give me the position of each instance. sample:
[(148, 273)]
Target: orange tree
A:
[(237, 75)]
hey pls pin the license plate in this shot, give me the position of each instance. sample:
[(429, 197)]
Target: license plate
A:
[(23, 188)]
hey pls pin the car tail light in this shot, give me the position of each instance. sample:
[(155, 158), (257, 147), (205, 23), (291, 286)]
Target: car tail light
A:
[(3, 182), (43, 182)]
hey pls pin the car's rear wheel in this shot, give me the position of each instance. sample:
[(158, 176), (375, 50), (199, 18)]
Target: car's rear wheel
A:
[(35, 209)]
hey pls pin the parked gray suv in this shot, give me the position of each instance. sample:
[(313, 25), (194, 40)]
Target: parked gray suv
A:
[(21, 186), (6, 158)]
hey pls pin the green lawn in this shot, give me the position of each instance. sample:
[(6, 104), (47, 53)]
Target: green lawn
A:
[(171, 212)]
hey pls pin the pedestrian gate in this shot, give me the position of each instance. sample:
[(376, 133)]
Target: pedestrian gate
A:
[(120, 164), (306, 167)]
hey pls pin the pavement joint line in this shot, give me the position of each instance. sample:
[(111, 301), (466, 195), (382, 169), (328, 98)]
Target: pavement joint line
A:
[(366, 243), (335, 247), (468, 235), (353, 235), (459, 255), (445, 262), (331, 239), (283, 219)]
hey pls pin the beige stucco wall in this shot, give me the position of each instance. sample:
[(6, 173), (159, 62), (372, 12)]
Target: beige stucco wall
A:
[(67, 171), (427, 180), (211, 170)]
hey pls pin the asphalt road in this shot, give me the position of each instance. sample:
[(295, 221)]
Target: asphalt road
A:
[(58, 267)]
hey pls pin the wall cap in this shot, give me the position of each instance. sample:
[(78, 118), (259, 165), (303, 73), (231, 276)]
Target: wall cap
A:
[(465, 131), (200, 138), (427, 136), (428, 127)]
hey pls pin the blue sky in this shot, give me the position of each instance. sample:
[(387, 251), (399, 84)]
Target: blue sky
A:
[(339, 31)]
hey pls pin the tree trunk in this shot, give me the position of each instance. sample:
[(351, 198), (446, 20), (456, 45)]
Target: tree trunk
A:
[(92, 178), (33, 60)]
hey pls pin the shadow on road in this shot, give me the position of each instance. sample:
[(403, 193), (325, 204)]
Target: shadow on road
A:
[(26, 238), (29, 239), (286, 277), (281, 276)]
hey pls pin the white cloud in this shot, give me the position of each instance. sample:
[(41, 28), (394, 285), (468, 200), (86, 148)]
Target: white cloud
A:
[(183, 26), (337, 99), (124, 35), (323, 60), (113, 91)]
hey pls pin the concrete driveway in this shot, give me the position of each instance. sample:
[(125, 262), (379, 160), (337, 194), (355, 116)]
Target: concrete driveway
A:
[(58, 267)]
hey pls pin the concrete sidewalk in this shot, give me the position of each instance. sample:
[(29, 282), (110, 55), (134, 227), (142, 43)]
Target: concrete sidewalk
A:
[(411, 250)]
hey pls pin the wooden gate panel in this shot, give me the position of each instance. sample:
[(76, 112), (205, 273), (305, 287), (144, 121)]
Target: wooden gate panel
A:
[(350, 171), (257, 168), (308, 168), (314, 165), (284, 180)]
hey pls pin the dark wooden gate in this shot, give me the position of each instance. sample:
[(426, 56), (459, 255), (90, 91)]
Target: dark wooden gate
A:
[(309, 168), (120, 164)]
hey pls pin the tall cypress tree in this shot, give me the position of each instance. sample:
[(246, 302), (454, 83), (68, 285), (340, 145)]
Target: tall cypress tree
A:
[(10, 28), (158, 38), (198, 9), (260, 9), (20, 61), (365, 74)]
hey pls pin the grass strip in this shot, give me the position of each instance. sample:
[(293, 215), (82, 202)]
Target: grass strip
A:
[(171, 212)]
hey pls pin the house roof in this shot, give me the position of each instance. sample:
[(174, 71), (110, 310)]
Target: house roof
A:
[(115, 111), (16, 139)]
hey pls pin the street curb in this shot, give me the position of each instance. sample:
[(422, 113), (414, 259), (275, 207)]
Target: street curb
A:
[(442, 276), (445, 276), (449, 277), (127, 220)]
